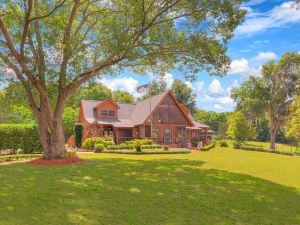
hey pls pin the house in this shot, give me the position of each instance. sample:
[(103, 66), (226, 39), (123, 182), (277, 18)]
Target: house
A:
[(160, 118)]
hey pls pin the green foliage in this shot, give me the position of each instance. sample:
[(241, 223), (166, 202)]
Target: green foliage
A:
[(223, 144), (112, 147), (78, 132), (208, 147), (236, 145), (184, 94), (98, 148), (166, 148), (294, 125), (271, 95), (18, 157), (20, 136), (217, 121), (69, 119), (122, 97), (138, 145), (89, 143), (238, 128)]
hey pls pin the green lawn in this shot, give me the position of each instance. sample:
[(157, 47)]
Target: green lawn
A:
[(222, 186), (279, 147)]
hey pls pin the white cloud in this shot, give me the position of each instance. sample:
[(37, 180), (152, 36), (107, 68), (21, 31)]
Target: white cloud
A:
[(263, 57), (199, 86), (215, 87), (168, 77), (277, 17), (189, 84), (239, 66), (217, 106), (123, 83)]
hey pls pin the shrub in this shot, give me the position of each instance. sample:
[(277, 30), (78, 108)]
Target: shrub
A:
[(130, 146), (112, 147), (236, 145), (88, 144), (107, 143), (166, 148), (223, 144), (20, 136), (147, 146), (208, 147), (123, 146), (157, 146), (69, 154), (18, 157), (147, 142), (138, 146), (98, 148), (78, 130)]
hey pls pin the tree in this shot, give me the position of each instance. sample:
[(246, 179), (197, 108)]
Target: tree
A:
[(238, 127), (251, 99), (69, 119), (92, 91), (65, 43), (272, 93), (122, 96), (294, 125), (211, 118), (281, 81), (184, 94)]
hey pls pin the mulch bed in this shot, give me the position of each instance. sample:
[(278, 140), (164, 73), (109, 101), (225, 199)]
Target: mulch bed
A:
[(56, 162)]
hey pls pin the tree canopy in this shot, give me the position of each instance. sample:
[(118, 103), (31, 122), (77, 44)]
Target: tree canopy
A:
[(184, 94), (238, 127), (272, 93)]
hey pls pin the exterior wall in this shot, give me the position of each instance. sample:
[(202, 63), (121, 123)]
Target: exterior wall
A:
[(107, 105)]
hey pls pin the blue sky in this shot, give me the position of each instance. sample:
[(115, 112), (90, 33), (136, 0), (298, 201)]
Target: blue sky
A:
[(270, 29)]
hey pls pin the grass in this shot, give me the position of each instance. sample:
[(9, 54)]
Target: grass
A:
[(279, 147), (222, 186)]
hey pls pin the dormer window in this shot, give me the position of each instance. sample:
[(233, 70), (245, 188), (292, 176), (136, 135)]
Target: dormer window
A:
[(105, 112)]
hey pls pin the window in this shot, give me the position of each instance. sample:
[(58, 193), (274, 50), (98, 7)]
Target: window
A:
[(181, 132), (105, 112)]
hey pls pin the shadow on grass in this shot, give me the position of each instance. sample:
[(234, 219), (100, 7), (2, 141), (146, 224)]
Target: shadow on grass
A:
[(119, 191)]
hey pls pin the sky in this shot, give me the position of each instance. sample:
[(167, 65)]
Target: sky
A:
[(271, 28)]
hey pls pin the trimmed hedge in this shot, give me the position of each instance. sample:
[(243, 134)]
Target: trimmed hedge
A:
[(78, 130), (20, 136), (5, 158), (134, 152), (98, 148), (90, 143), (208, 147), (261, 149)]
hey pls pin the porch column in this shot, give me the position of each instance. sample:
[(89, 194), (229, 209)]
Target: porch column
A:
[(117, 136), (206, 135)]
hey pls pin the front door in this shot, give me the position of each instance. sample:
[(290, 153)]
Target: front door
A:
[(168, 136)]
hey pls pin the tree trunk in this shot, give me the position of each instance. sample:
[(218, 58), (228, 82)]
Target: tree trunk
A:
[(51, 131), (273, 132), (52, 138)]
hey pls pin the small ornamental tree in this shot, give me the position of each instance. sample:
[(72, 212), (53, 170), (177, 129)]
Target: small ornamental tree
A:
[(238, 128), (78, 131), (66, 43), (294, 125)]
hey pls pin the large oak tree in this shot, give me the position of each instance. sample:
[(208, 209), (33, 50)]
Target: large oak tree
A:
[(68, 42)]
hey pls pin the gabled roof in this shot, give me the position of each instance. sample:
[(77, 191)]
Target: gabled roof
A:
[(130, 115)]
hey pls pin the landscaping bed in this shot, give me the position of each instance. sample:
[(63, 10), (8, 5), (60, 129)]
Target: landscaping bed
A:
[(14, 157), (150, 151)]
